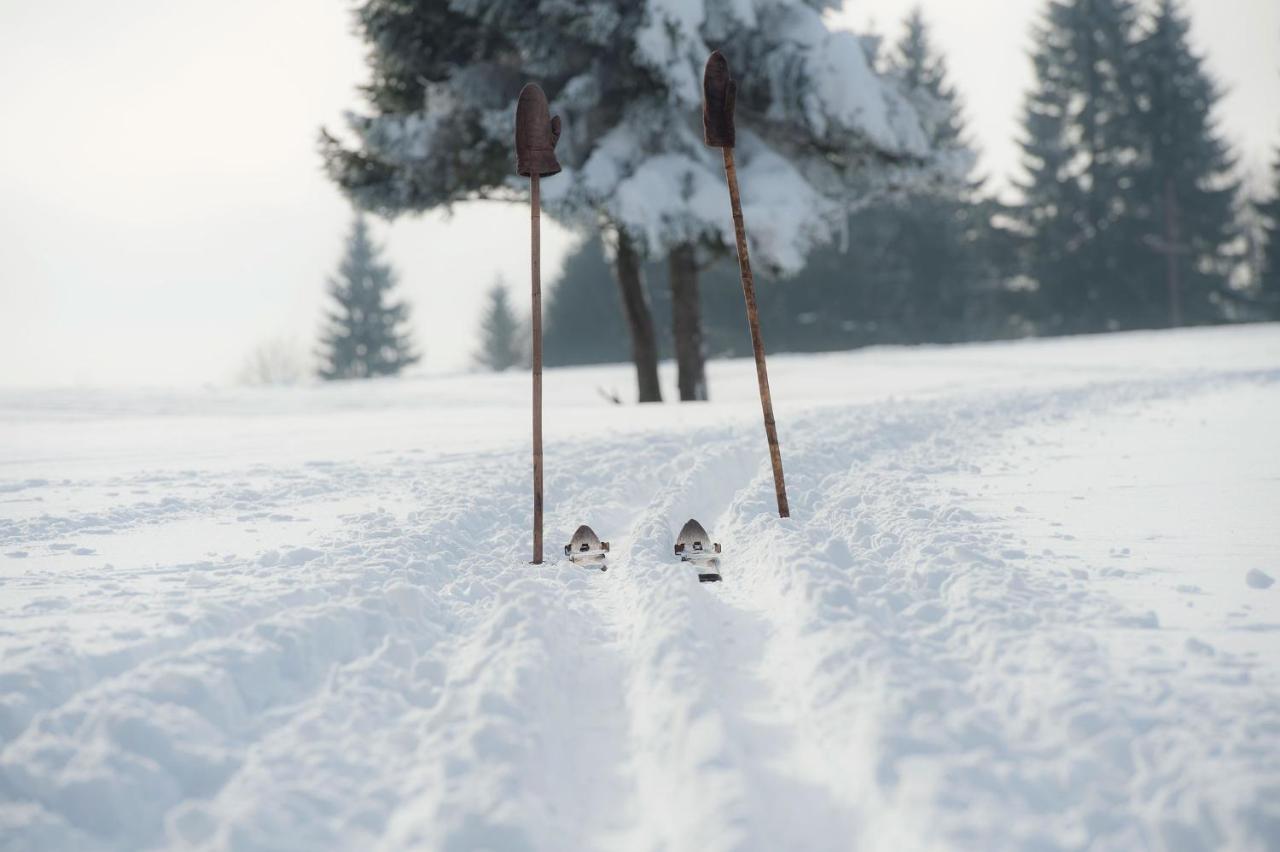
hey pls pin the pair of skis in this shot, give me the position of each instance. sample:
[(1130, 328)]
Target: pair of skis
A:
[(537, 134), (693, 546)]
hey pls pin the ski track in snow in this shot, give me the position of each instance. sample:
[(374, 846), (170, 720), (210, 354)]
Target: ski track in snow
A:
[(892, 668)]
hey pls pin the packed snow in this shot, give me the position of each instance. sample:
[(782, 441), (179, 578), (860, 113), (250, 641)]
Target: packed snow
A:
[(1026, 601)]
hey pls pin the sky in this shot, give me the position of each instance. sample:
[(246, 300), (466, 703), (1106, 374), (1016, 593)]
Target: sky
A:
[(163, 212)]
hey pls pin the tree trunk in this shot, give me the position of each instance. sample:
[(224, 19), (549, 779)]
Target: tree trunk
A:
[(686, 324), (1172, 247), (644, 344)]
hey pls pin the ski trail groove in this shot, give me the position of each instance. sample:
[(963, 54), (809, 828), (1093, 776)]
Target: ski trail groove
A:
[(886, 586)]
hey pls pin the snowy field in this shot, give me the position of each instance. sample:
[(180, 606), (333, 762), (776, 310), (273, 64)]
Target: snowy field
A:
[(1025, 602)]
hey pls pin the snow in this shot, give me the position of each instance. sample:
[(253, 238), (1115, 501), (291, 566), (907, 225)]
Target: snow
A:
[(1025, 601)]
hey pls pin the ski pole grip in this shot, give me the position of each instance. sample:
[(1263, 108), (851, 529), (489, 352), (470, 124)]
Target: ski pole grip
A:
[(719, 92), (536, 134)]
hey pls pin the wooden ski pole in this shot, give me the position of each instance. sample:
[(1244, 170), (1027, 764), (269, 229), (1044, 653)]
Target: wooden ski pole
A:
[(757, 340), (535, 321), (536, 136), (719, 92)]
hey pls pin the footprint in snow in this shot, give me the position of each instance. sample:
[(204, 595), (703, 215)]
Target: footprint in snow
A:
[(1258, 579)]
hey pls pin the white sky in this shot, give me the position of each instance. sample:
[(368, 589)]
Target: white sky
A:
[(162, 208)]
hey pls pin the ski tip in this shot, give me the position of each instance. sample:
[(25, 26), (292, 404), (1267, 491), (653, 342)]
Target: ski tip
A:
[(709, 578), (585, 538), (694, 540), (693, 530)]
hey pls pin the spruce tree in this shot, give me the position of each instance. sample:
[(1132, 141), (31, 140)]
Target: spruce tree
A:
[(923, 72), (501, 337), (934, 253), (1079, 145), (365, 334), (1184, 190)]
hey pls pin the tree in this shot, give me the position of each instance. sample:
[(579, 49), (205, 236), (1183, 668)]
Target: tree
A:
[(583, 324), (366, 334), (1269, 283), (1079, 144), (922, 264), (924, 74), (444, 78), (936, 247), (625, 78), (913, 265), (273, 362), (816, 122), (1183, 184), (501, 337)]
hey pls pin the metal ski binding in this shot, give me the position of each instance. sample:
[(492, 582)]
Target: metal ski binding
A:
[(586, 549), (694, 546)]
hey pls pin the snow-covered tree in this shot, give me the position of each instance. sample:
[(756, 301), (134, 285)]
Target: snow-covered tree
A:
[(819, 125), (817, 128), (501, 332), (365, 335), (1183, 182), (1078, 147), (444, 81)]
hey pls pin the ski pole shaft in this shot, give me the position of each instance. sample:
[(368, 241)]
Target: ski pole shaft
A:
[(536, 323), (757, 341)]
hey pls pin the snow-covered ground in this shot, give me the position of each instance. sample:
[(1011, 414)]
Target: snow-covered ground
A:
[(1024, 602)]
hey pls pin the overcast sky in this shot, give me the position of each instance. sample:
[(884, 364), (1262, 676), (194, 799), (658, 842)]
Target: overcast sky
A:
[(162, 209)]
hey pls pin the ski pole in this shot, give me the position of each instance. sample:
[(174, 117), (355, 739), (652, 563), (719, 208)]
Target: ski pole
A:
[(536, 136), (719, 92)]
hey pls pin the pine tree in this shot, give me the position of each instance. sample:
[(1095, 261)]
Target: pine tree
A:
[(501, 333), (1269, 283), (934, 252), (1183, 185), (365, 336), (924, 74), (1080, 141)]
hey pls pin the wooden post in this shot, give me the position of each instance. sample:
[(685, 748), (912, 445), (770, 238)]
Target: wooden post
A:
[(536, 322), (757, 340)]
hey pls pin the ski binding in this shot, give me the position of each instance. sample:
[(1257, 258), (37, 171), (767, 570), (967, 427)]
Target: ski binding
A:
[(586, 549), (694, 546)]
